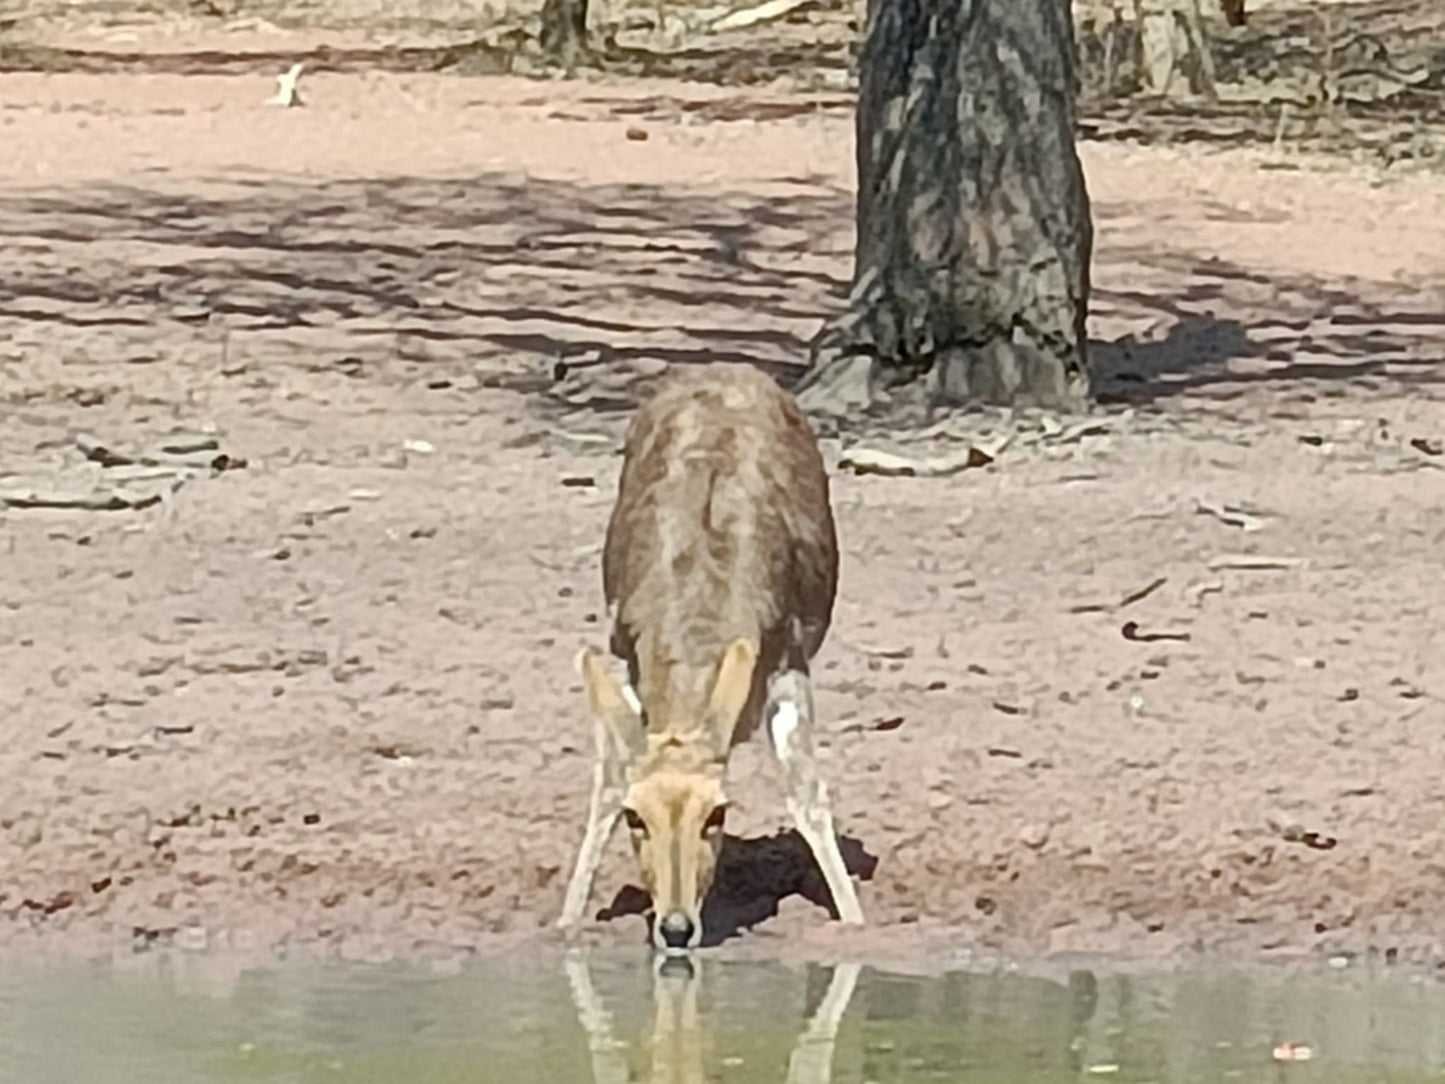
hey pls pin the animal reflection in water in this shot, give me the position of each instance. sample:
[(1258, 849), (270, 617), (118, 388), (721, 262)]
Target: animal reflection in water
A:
[(679, 1039)]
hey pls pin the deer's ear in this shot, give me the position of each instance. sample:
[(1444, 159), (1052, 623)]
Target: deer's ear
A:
[(730, 692), (620, 722)]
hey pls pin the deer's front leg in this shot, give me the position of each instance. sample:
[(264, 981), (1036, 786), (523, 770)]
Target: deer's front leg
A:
[(789, 715), (602, 812)]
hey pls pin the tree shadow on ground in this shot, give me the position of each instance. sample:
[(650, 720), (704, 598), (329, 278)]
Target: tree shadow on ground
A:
[(754, 876), (1221, 329), (819, 52), (507, 280), (582, 293)]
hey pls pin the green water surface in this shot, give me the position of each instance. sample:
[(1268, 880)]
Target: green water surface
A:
[(518, 1020)]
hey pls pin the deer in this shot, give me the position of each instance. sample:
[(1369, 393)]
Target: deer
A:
[(719, 569)]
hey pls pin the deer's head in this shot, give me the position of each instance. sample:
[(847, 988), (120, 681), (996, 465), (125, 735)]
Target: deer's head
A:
[(675, 800)]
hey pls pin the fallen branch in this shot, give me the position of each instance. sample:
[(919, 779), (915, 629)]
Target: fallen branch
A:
[(1254, 562), (1230, 515), (1143, 592), (1132, 631), (99, 501), (888, 464), (763, 13)]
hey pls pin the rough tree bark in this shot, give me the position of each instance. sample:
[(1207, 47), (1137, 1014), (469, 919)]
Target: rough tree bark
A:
[(564, 30), (971, 277), (1174, 58)]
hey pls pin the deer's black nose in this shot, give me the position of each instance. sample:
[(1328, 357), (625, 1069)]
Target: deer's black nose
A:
[(677, 930)]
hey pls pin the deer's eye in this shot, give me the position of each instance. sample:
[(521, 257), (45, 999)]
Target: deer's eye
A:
[(635, 822), (714, 822)]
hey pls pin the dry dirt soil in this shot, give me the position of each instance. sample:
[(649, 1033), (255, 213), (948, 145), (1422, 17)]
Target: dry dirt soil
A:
[(1164, 678)]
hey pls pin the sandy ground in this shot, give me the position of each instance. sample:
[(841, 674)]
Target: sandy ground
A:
[(324, 697)]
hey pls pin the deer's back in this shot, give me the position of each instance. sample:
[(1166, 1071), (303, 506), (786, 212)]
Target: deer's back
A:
[(722, 526)]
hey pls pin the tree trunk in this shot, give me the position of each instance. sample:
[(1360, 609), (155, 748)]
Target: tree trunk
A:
[(972, 269), (564, 30), (1174, 56)]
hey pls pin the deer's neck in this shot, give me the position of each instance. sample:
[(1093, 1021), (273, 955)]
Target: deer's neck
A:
[(674, 693), (675, 679)]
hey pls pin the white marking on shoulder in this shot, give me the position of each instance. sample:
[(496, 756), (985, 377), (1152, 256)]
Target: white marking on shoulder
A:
[(783, 723), (630, 695)]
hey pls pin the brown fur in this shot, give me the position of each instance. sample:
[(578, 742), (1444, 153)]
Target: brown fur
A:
[(722, 530), (719, 568)]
